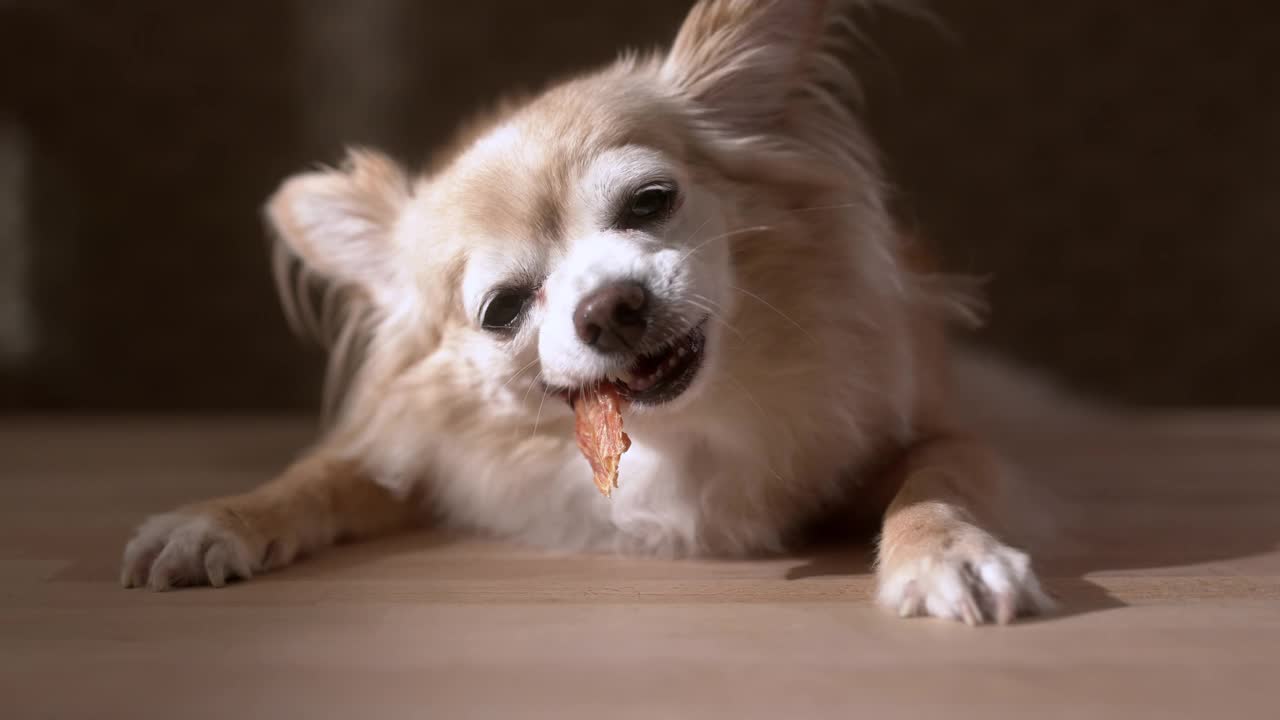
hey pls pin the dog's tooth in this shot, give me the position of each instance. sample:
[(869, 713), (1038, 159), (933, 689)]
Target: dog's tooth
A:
[(626, 376)]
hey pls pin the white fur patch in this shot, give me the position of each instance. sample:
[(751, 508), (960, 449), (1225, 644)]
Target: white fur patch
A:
[(975, 582)]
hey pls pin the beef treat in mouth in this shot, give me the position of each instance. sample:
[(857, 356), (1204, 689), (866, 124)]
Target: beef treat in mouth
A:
[(600, 436), (653, 379)]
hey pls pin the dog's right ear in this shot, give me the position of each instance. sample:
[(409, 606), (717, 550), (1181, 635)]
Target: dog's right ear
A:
[(744, 60), (340, 222)]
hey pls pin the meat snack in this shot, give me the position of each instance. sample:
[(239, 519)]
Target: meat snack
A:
[(600, 436)]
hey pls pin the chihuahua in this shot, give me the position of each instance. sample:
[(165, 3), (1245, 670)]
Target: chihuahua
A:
[(704, 228)]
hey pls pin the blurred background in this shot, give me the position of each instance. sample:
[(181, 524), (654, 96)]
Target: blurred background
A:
[(1112, 167)]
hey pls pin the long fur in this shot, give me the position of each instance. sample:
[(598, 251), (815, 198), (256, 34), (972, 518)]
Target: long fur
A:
[(821, 329)]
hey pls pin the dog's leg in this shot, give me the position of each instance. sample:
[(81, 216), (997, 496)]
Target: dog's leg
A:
[(316, 502), (935, 557)]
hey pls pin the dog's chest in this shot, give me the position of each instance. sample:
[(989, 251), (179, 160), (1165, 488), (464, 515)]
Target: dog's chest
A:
[(662, 506)]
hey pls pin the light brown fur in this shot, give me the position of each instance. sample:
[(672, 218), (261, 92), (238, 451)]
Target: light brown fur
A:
[(826, 356)]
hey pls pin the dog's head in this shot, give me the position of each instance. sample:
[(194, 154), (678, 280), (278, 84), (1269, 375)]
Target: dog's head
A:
[(610, 229)]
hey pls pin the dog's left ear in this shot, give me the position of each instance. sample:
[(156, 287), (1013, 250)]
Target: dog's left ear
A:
[(747, 59)]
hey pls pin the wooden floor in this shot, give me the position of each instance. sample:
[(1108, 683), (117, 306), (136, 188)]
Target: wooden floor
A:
[(1169, 574)]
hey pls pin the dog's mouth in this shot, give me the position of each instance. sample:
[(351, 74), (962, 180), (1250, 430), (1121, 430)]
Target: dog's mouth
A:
[(661, 376)]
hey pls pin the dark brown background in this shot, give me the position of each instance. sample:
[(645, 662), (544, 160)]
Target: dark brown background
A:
[(1113, 166)]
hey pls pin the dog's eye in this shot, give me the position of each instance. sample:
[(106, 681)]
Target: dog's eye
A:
[(503, 310), (649, 204)]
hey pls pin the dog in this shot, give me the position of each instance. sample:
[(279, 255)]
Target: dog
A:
[(707, 230)]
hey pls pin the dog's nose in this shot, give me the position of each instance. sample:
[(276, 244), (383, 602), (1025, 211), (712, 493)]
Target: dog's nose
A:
[(613, 318)]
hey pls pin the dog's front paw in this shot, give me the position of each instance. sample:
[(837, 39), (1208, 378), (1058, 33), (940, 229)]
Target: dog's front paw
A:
[(972, 578), (188, 547)]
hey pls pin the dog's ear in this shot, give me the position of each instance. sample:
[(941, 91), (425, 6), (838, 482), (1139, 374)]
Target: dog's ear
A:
[(340, 222), (747, 58)]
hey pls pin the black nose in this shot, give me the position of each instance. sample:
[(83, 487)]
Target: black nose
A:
[(613, 318)]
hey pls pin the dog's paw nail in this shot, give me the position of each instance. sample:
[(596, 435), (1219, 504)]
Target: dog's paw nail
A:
[(973, 581), (184, 549)]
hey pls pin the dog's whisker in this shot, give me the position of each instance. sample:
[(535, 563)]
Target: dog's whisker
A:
[(771, 306), (703, 306), (715, 316), (743, 389), (518, 373), (518, 426), (694, 234), (692, 237), (721, 236), (538, 418), (537, 379), (708, 301), (752, 399), (816, 208)]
